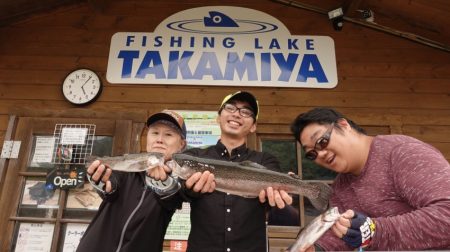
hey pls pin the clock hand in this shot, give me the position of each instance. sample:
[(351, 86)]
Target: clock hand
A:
[(86, 81), (82, 86)]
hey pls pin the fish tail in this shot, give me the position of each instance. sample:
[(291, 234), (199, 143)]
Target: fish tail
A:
[(321, 202), (89, 160)]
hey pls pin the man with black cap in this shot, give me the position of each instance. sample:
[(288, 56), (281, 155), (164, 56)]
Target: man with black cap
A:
[(132, 217), (223, 222)]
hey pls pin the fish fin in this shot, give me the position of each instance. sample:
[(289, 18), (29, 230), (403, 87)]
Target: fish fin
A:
[(322, 201), (293, 175), (249, 163)]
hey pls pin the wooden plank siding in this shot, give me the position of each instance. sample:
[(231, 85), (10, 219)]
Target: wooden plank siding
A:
[(4, 123), (384, 81)]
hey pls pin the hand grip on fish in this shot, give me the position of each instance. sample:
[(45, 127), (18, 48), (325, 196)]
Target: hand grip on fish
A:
[(130, 162), (137, 163), (315, 229), (247, 179)]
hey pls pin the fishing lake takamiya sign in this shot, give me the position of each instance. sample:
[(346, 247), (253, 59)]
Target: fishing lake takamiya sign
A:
[(222, 45)]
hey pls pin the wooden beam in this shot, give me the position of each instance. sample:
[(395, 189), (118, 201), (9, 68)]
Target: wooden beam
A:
[(8, 136), (351, 8), (389, 30)]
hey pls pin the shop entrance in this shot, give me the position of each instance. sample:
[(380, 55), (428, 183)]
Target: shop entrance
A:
[(32, 217)]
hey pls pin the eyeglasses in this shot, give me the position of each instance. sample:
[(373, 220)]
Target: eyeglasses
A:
[(320, 144), (244, 112)]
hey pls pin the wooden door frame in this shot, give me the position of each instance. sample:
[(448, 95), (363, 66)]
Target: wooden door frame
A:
[(4, 162), (15, 169)]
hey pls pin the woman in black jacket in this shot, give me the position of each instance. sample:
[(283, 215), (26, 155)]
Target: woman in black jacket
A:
[(131, 216)]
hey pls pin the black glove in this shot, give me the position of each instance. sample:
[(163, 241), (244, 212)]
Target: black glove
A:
[(361, 231), (165, 188)]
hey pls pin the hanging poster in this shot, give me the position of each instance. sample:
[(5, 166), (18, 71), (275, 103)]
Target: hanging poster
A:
[(73, 135), (180, 225), (74, 232), (43, 150), (202, 128), (34, 237)]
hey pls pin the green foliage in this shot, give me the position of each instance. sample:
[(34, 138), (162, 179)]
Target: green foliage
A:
[(285, 151)]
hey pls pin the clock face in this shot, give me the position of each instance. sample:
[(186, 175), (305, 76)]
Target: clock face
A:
[(81, 86)]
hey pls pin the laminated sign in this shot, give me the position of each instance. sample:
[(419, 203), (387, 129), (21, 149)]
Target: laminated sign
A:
[(222, 45)]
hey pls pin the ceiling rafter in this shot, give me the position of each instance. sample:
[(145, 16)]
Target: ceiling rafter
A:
[(372, 25)]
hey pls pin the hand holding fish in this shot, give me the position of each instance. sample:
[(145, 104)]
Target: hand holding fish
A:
[(159, 172), (342, 225), (277, 198), (201, 182), (355, 228), (198, 182), (314, 230), (99, 172), (99, 169)]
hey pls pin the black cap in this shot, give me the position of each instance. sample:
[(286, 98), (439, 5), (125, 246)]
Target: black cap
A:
[(243, 96), (170, 116)]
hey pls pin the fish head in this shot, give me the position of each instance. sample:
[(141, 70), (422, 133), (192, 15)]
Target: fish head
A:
[(183, 171), (155, 159), (185, 166), (331, 214)]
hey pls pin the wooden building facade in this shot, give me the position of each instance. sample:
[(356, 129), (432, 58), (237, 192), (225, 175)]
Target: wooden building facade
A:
[(386, 83)]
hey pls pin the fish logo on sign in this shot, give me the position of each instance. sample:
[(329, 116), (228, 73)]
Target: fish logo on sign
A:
[(222, 45), (218, 19)]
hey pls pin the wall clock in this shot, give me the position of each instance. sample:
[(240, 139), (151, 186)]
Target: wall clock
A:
[(81, 86)]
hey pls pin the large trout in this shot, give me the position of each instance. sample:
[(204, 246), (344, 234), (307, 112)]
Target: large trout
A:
[(130, 162), (247, 179)]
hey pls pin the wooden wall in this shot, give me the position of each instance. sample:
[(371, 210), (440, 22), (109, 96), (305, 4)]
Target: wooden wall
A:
[(383, 80)]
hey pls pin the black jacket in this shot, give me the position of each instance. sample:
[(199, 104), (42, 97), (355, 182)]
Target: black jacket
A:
[(219, 221), (130, 217)]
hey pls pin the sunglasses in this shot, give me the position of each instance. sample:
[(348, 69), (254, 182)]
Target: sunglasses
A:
[(320, 144), (244, 112)]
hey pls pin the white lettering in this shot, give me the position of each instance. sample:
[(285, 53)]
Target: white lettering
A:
[(58, 181)]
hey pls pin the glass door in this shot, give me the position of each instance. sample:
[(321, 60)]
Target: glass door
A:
[(34, 217)]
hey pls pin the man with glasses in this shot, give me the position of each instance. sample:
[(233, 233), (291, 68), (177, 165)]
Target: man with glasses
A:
[(220, 221), (393, 190)]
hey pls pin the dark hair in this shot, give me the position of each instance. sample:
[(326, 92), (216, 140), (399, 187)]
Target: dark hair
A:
[(320, 116)]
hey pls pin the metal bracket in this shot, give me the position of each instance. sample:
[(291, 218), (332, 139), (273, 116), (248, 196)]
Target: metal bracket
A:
[(10, 149)]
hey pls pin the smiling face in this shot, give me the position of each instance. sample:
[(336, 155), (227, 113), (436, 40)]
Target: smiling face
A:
[(164, 139), (339, 155), (234, 125)]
